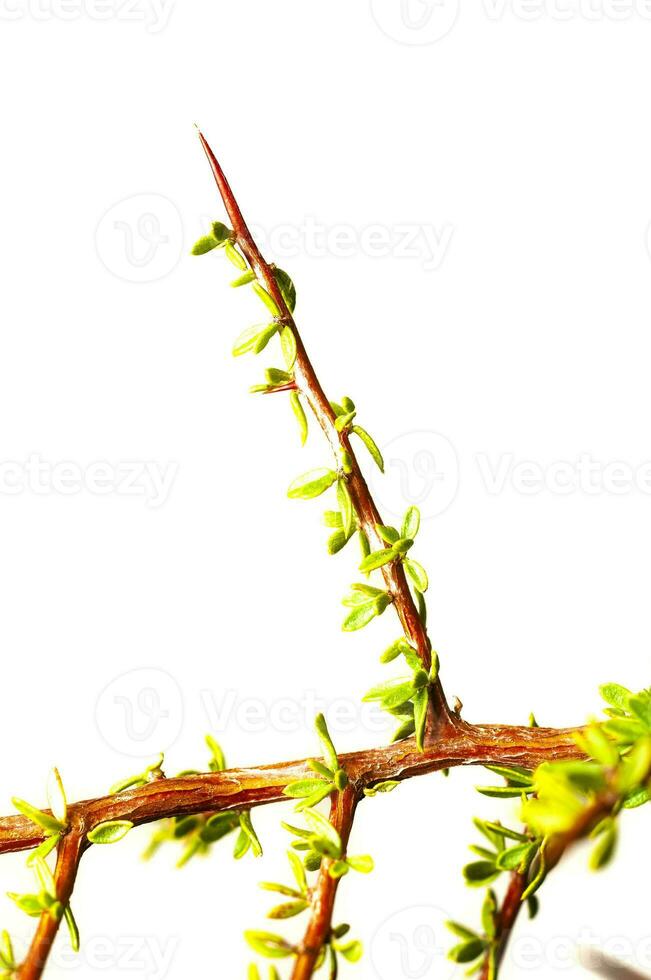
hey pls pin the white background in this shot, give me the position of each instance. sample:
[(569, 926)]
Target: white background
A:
[(515, 136)]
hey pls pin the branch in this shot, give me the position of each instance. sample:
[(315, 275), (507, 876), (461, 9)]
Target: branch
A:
[(68, 857), (309, 386), (235, 789), (342, 813)]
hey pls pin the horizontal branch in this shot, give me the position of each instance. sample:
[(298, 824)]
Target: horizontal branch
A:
[(234, 789)]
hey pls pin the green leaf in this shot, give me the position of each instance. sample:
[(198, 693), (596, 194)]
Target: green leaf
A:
[(640, 705), (242, 845), (269, 945), (316, 797), (604, 849), (417, 574), (516, 775), (361, 862), (391, 693), (298, 871), (489, 914), (387, 786), (287, 288), (463, 932), (73, 929), (468, 951), (411, 523), (288, 346), (343, 421), (515, 857), (312, 484), (405, 730), (6, 950), (287, 910), (247, 827), (377, 559), (268, 300), (336, 542), (41, 819), (244, 279), (233, 256), (361, 615), (30, 904), (217, 758), (109, 832), (352, 951), (421, 700), (370, 445), (329, 751), (299, 413), (204, 244), (219, 825), (56, 797), (479, 873), (388, 534), (345, 504), (616, 695), (637, 797), (394, 651), (338, 869), (322, 827), (500, 792), (302, 788)]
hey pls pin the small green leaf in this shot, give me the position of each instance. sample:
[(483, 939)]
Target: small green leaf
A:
[(468, 951), (109, 832), (247, 826), (417, 574), (370, 445), (394, 651), (41, 819), (604, 849), (299, 413), (287, 910), (352, 951), (244, 279), (616, 695), (385, 787), (269, 945), (316, 797), (361, 862), (219, 825), (392, 693), (233, 256), (361, 615), (298, 871), (421, 701), (377, 559), (411, 523), (302, 788), (56, 797), (268, 300), (461, 931), (500, 792), (515, 857), (345, 504), (242, 845), (287, 288), (217, 758), (312, 484), (288, 346), (204, 244), (73, 929), (329, 751), (322, 827), (479, 873), (388, 534)]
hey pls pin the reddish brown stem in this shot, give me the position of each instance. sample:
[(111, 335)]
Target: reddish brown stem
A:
[(237, 789), (68, 857), (342, 813), (309, 386)]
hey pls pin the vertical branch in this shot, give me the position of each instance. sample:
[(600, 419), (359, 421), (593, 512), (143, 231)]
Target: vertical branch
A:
[(342, 813), (68, 857), (307, 383)]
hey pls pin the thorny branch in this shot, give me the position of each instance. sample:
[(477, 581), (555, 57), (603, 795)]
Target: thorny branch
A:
[(449, 742)]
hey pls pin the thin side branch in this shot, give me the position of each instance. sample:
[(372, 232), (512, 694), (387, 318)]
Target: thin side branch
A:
[(342, 813), (307, 383), (68, 857)]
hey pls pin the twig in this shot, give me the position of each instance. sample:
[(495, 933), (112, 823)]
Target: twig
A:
[(342, 813), (309, 386), (68, 857), (236, 789)]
